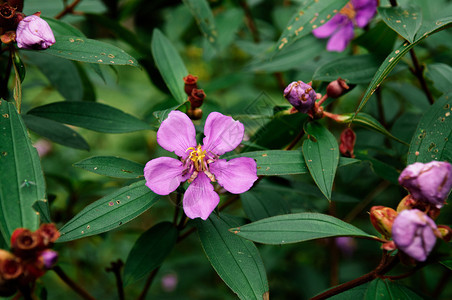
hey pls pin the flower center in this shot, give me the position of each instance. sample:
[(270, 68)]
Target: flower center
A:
[(349, 11), (197, 156)]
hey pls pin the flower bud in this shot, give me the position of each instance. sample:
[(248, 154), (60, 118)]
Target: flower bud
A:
[(196, 98), (408, 202), (24, 242), (301, 95), (34, 33), (194, 113), (190, 83), (348, 139), (49, 233), (49, 258), (430, 182), (413, 233), (336, 88), (445, 232), (382, 219), (17, 4), (10, 267)]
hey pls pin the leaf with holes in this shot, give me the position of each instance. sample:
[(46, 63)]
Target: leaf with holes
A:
[(109, 212), (433, 136), (90, 51), (21, 178), (112, 166), (321, 155), (237, 261), (404, 21)]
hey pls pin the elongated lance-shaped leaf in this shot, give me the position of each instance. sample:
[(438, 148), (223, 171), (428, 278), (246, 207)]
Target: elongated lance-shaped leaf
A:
[(112, 166), (281, 162), (404, 21), (43, 210), (149, 251), (109, 212), (170, 64), (90, 51), (90, 115), (311, 15), (321, 155), (432, 139), (237, 261), (21, 178), (294, 228), (395, 56), (200, 9)]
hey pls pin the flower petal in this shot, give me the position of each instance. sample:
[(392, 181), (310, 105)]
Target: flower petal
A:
[(237, 175), (200, 199), (329, 27), (222, 133), (340, 39), (177, 133), (164, 174), (365, 10)]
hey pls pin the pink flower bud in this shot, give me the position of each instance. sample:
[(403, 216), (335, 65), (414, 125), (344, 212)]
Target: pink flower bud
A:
[(430, 182), (382, 218), (49, 258), (301, 95), (34, 33), (413, 233)]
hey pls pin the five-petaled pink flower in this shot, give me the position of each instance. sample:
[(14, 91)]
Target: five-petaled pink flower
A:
[(200, 164), (340, 27)]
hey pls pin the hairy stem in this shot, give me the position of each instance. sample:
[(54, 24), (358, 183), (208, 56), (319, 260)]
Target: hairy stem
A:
[(418, 72), (79, 290)]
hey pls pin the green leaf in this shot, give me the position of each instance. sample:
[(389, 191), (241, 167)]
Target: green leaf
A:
[(353, 69), (200, 9), (90, 115), (441, 76), (149, 251), (404, 21), (311, 15), (112, 166), (109, 212), (259, 203), (18, 66), (387, 289), (43, 210), (368, 121), (62, 74), (21, 179), (161, 115), (447, 263), (90, 51), (170, 65), (394, 57), (237, 261), (433, 136), (294, 228), (62, 28), (321, 156), (379, 40), (56, 132), (281, 162), (380, 168)]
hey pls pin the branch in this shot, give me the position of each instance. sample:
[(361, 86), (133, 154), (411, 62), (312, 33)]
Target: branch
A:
[(250, 21), (68, 9), (418, 72), (79, 290), (148, 284), (116, 269)]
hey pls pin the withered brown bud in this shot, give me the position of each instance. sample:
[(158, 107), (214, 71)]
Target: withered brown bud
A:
[(10, 266), (49, 233), (17, 4), (408, 202), (196, 98), (7, 11), (348, 139), (24, 242), (190, 83), (8, 37), (194, 113), (336, 88)]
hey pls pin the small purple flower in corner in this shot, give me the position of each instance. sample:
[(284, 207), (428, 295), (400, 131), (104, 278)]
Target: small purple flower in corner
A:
[(413, 232), (340, 27), (200, 164), (430, 182), (34, 33)]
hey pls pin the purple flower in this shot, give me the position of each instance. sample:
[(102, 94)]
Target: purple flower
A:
[(430, 182), (198, 164), (34, 33), (413, 233), (301, 95), (49, 258), (340, 27)]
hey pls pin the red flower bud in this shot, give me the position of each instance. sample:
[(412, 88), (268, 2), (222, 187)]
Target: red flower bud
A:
[(446, 232), (194, 113), (10, 267), (24, 242), (382, 218), (196, 98), (49, 233), (190, 83), (348, 139), (336, 88)]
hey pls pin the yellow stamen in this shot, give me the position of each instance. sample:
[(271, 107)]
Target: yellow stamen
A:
[(349, 11), (197, 156)]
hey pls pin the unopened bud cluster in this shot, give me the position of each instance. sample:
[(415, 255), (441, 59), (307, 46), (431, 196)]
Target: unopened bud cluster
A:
[(301, 95), (29, 258), (30, 32), (195, 96), (412, 226)]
